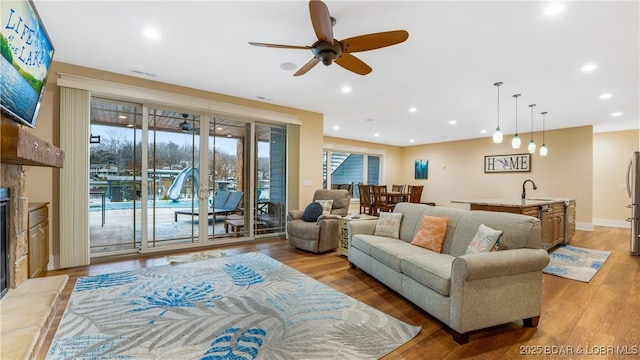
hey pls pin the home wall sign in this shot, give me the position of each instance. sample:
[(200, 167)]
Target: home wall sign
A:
[(507, 163)]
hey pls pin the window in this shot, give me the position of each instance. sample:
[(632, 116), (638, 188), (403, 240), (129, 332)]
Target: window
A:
[(347, 169)]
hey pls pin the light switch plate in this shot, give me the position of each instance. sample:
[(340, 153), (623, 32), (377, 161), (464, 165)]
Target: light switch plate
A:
[(306, 183)]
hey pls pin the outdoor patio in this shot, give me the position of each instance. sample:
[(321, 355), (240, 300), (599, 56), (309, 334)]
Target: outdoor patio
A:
[(112, 229)]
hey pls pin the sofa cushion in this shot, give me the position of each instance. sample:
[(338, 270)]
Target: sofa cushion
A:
[(363, 242), (518, 231), (431, 233), (430, 269), (391, 253), (388, 225), (486, 239), (312, 212), (326, 206)]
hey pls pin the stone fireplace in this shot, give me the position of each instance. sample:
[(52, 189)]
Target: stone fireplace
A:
[(13, 178)]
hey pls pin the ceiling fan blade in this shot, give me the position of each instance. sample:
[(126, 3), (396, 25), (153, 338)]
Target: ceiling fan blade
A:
[(280, 46), (306, 67), (321, 20), (353, 64), (374, 41)]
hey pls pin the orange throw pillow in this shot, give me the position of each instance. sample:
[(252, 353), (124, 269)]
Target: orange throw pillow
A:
[(432, 232)]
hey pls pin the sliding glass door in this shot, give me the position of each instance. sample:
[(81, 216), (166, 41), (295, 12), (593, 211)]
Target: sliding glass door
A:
[(270, 179), (114, 176), (164, 179)]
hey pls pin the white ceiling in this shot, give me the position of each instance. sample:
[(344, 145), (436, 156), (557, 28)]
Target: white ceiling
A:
[(456, 51)]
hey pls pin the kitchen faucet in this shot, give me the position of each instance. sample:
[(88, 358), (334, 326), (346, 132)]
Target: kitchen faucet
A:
[(524, 190)]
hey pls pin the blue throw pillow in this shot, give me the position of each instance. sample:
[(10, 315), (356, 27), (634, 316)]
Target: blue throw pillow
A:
[(312, 212)]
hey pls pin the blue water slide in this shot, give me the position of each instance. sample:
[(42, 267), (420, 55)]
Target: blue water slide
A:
[(176, 187)]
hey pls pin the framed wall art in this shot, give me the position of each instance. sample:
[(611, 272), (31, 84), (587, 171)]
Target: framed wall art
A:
[(422, 169)]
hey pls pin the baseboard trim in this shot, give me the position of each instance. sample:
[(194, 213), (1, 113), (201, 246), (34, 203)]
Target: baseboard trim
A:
[(612, 223), (584, 226)]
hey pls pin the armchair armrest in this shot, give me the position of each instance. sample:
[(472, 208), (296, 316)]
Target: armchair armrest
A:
[(294, 215), (328, 217), (499, 263)]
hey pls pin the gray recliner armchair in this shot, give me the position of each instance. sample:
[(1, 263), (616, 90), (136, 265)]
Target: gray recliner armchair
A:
[(321, 235)]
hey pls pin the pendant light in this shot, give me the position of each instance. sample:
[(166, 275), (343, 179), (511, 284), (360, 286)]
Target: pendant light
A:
[(532, 144), (497, 135), (515, 142), (543, 148)]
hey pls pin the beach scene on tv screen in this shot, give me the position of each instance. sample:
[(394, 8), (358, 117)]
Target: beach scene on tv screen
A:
[(26, 56)]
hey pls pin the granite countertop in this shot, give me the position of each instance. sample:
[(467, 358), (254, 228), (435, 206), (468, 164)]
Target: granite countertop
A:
[(515, 202)]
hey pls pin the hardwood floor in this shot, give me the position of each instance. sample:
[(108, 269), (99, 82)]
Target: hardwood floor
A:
[(599, 319)]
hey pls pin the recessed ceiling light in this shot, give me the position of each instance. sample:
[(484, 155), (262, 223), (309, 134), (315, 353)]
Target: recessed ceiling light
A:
[(129, 125), (376, 134), (589, 67), (483, 131), (412, 141), (151, 33), (219, 128), (617, 113), (452, 122), (122, 116), (288, 66), (346, 89), (336, 127), (229, 135), (413, 109), (554, 9), (605, 96)]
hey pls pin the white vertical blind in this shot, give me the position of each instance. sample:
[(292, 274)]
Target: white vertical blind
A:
[(74, 177)]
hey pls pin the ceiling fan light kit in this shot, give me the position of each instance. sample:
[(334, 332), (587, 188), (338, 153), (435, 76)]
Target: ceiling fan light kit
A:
[(329, 50)]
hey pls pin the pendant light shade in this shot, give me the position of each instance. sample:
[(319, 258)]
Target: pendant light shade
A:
[(543, 148), (532, 144), (497, 135), (515, 142)]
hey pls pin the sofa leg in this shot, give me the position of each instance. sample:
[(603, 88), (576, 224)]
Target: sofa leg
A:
[(531, 322), (352, 265), (460, 338)]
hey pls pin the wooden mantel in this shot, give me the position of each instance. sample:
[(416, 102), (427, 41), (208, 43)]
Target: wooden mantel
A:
[(19, 147)]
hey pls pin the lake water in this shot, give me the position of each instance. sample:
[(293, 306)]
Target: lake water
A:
[(17, 95)]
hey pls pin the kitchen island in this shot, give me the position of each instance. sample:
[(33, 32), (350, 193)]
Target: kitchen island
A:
[(557, 215)]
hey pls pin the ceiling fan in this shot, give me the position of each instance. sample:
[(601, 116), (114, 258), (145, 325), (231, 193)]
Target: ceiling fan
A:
[(187, 127), (329, 50)]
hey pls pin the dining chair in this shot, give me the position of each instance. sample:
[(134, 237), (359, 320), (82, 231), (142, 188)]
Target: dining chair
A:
[(415, 192), (397, 188), (380, 199), (365, 199)]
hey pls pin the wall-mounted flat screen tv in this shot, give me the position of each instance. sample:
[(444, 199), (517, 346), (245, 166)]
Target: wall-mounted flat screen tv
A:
[(26, 58)]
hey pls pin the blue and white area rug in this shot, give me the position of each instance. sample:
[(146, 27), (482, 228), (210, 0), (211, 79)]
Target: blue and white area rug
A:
[(576, 263), (244, 306)]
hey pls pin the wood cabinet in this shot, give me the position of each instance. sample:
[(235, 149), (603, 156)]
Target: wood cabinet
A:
[(38, 238), (552, 218)]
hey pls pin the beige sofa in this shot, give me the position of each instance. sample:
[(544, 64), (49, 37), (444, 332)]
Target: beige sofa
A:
[(466, 292)]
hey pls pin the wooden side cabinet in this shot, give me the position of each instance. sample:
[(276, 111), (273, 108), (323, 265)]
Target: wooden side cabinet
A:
[(38, 238), (553, 227)]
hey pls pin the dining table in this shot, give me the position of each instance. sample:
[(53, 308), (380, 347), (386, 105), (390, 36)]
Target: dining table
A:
[(394, 197)]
